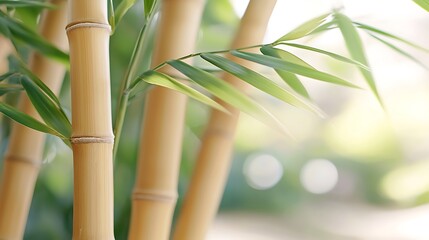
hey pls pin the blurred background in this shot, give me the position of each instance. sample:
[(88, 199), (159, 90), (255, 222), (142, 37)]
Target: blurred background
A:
[(360, 173)]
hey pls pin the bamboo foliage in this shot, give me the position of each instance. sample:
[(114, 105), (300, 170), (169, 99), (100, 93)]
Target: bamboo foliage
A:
[(213, 162), (155, 191), (23, 157), (92, 137)]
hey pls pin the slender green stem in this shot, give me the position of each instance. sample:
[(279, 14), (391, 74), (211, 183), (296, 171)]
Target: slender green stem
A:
[(130, 74)]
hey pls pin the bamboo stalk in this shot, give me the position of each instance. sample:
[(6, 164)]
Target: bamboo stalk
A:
[(6, 49), (155, 190), (214, 158), (24, 154), (92, 136)]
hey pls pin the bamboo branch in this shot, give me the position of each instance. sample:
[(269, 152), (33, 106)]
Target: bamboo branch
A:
[(24, 154), (213, 163), (92, 136), (155, 190)]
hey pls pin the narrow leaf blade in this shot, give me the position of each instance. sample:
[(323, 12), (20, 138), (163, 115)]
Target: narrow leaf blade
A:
[(329, 54), (260, 82), (164, 80), (47, 109), (26, 120), (356, 50), (25, 34), (400, 51), (304, 29), (227, 93), (423, 4), (6, 88), (291, 67), (289, 78), (389, 35)]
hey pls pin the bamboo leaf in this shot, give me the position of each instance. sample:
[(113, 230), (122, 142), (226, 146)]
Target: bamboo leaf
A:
[(26, 3), (25, 34), (227, 93), (122, 9), (389, 35), (327, 53), (324, 27), (287, 56), (260, 82), (356, 50), (304, 29), (148, 5), (289, 78), (112, 16), (47, 109), (400, 51), (7, 75), (163, 80), (423, 4), (6, 88), (41, 85), (26, 120), (280, 64)]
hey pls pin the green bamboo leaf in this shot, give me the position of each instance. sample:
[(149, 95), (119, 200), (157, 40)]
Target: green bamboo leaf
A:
[(400, 51), (227, 93), (26, 3), (423, 4), (41, 85), (289, 78), (356, 50), (280, 64), (163, 80), (47, 109), (287, 56), (324, 27), (329, 54), (389, 35), (148, 5), (304, 29), (260, 82), (122, 9), (6, 88), (27, 120), (7, 75), (112, 16), (25, 34)]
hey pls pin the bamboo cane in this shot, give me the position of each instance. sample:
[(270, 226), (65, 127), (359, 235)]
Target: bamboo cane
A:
[(214, 159), (23, 157), (155, 190), (92, 136), (6, 49)]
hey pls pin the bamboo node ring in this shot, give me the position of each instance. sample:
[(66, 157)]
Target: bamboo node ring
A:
[(13, 158), (86, 139), (75, 25), (154, 196)]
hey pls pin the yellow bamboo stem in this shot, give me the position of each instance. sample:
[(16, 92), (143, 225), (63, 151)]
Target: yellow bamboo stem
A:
[(92, 137), (155, 190), (6, 49), (23, 157), (214, 159)]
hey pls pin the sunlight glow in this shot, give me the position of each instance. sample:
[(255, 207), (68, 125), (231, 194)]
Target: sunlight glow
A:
[(319, 176), (262, 171)]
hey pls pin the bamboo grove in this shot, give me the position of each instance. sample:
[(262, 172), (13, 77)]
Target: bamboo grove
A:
[(167, 82)]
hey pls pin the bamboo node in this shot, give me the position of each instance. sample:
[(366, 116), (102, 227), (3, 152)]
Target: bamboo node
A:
[(75, 25), (89, 139), (13, 158), (155, 196)]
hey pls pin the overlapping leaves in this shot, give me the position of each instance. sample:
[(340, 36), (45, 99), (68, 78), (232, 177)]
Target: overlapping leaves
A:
[(55, 121)]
